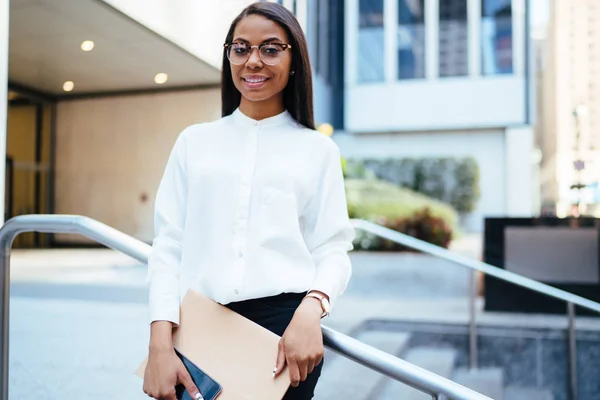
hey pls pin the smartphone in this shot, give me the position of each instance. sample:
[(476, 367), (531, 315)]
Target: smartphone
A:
[(208, 387)]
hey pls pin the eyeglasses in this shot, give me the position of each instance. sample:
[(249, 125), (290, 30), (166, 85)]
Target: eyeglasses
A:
[(270, 53)]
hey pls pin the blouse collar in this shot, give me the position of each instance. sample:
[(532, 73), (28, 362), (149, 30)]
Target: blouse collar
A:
[(280, 119)]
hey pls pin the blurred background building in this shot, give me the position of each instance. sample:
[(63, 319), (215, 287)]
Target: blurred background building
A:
[(445, 78), (569, 107)]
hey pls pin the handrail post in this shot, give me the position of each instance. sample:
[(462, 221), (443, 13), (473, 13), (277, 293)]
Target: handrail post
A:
[(6, 239), (572, 352), (57, 224), (473, 356)]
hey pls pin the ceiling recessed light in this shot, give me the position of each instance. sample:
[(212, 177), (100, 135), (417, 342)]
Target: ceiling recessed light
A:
[(161, 78), (68, 86), (87, 45)]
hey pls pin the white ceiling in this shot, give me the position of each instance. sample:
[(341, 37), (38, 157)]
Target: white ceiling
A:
[(45, 40)]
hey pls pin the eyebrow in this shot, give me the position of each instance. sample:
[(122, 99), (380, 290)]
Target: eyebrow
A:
[(271, 39)]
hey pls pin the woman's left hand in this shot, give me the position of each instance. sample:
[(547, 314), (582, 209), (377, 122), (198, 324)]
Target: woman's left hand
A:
[(301, 345)]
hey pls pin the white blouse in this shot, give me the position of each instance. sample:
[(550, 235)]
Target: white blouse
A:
[(249, 209)]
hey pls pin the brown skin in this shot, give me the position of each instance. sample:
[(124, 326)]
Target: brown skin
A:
[(164, 369), (266, 101), (301, 346)]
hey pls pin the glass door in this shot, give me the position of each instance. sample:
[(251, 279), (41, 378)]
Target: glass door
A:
[(27, 181)]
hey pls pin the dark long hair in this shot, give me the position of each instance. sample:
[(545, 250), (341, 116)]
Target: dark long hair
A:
[(298, 94)]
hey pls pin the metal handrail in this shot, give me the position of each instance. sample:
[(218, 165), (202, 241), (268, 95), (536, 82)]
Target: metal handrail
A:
[(519, 280), (489, 269), (377, 360)]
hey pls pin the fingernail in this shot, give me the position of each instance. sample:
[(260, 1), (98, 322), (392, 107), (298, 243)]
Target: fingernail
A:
[(199, 396), (274, 371)]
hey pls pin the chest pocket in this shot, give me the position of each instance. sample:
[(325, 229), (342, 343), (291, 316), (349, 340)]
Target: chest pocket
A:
[(278, 225)]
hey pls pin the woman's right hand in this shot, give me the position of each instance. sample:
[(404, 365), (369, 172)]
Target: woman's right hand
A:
[(164, 371)]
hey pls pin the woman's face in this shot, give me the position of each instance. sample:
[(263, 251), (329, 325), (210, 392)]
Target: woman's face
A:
[(256, 80)]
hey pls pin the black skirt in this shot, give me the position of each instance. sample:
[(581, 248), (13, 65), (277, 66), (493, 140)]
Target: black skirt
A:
[(275, 314)]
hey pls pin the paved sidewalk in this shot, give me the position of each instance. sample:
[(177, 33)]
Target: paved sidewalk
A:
[(76, 349), (77, 266)]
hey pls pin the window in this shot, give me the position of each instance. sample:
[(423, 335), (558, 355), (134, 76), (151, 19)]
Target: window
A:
[(496, 37), (453, 37), (411, 39), (370, 41)]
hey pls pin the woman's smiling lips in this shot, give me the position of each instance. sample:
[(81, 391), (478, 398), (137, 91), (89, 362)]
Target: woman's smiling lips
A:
[(254, 81)]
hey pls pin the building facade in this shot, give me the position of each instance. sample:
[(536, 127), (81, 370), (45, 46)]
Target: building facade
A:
[(569, 130), (433, 78)]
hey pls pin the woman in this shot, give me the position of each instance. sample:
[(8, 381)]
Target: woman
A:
[(251, 210)]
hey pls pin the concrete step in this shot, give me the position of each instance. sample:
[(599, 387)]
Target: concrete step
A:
[(487, 381), (343, 379), (527, 393), (436, 360)]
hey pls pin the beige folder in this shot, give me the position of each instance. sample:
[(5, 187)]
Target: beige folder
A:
[(234, 351)]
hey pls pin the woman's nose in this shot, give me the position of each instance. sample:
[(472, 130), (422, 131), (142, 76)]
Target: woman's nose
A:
[(254, 60)]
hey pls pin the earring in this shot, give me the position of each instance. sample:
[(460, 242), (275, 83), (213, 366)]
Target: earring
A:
[(292, 72)]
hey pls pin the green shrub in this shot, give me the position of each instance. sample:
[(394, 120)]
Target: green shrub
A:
[(466, 192), (450, 180), (400, 209)]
